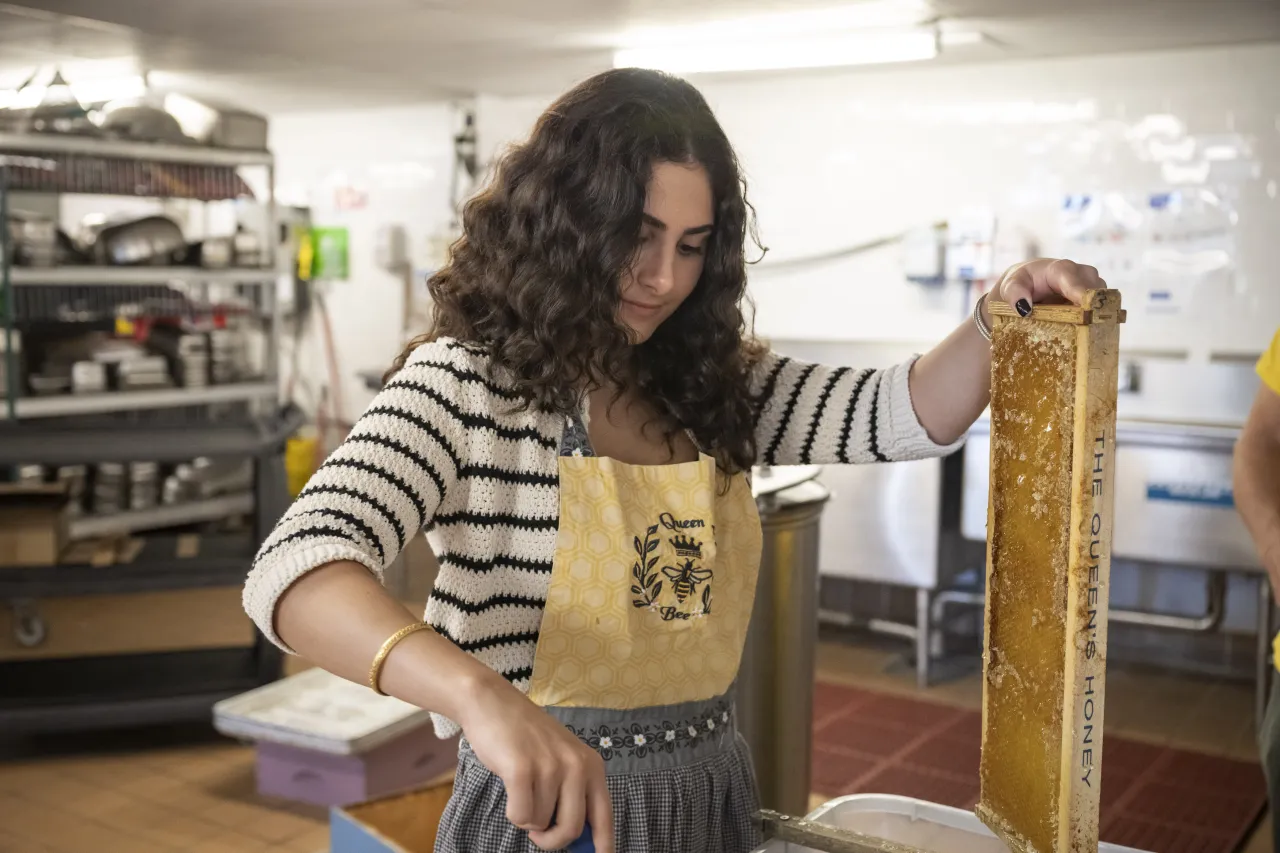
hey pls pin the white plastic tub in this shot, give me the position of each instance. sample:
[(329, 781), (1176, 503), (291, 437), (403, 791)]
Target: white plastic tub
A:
[(926, 826), (317, 710)]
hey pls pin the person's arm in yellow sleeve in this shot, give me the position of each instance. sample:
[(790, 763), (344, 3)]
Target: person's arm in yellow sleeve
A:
[(1257, 467)]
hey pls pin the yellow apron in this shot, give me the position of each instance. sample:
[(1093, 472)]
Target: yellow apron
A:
[(652, 585), (651, 593)]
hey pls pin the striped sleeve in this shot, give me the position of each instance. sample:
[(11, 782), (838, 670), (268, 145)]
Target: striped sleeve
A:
[(815, 415), (383, 484)]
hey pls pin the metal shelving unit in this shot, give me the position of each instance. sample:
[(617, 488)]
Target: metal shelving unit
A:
[(26, 409), (142, 152), (220, 562), (89, 276), (59, 695), (161, 517), (77, 444), (234, 419)]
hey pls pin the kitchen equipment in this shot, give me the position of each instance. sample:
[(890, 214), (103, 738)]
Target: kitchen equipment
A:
[(47, 385), (186, 353), (141, 123), (193, 370), (33, 240), (223, 126), (88, 377), (175, 489), (11, 354), (59, 112), (109, 488), (144, 485), (1173, 497), (228, 356), (76, 478), (155, 240), (248, 249), (143, 372), (775, 678), (30, 475), (213, 477), (215, 253)]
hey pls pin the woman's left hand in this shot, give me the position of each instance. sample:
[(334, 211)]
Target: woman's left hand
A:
[(1046, 280)]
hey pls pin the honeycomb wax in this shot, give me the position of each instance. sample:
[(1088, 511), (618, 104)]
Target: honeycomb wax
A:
[(1053, 400)]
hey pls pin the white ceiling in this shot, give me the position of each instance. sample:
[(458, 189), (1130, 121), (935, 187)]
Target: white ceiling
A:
[(287, 55)]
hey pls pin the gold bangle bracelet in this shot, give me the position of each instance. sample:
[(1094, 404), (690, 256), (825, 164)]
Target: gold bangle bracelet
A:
[(375, 670)]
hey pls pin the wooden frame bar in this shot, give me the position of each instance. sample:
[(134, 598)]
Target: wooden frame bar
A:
[(1049, 524)]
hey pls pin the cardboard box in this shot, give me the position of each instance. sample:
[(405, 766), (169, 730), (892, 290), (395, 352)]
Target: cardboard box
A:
[(405, 823), (34, 523)]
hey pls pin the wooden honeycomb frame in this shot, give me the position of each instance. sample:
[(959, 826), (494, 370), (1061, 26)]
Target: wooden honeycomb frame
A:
[(1053, 412)]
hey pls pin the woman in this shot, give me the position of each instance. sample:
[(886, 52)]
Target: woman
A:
[(578, 429)]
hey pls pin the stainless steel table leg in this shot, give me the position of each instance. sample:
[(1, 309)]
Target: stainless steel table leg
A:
[(924, 633)]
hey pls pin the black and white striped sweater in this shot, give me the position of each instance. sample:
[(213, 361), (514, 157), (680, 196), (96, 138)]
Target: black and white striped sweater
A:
[(440, 446)]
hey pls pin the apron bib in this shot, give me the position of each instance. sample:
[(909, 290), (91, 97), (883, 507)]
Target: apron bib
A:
[(652, 585)]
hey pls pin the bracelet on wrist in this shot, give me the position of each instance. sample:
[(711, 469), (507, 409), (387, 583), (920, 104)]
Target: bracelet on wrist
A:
[(375, 669), (983, 328)]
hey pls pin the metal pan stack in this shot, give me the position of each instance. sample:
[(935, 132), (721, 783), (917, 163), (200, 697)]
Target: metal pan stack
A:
[(144, 485), (109, 487)]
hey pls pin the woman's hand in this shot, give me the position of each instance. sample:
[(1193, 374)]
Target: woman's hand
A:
[(1045, 280), (951, 384), (554, 781)]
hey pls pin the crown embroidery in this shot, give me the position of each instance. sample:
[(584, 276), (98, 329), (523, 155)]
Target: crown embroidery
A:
[(687, 547)]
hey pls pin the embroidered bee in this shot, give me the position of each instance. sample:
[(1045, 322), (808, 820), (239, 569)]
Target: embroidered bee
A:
[(686, 579)]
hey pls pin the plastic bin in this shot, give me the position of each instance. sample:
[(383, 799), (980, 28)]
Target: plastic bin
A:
[(324, 740), (927, 826)]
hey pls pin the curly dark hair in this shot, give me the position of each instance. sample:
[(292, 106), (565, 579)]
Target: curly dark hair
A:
[(534, 280)]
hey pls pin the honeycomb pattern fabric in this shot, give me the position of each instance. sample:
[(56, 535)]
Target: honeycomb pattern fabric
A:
[(651, 587)]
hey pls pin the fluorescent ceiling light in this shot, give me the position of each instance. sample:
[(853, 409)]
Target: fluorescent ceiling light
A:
[(775, 55), (868, 14)]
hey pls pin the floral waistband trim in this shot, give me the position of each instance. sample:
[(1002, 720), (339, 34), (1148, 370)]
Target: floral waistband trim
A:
[(641, 739)]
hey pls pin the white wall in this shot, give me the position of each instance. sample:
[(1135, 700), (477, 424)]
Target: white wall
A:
[(837, 159), (834, 160), (402, 159)]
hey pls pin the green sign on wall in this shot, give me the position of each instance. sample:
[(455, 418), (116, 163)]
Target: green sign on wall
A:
[(331, 253)]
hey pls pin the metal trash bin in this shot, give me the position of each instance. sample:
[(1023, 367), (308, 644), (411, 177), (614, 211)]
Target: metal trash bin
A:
[(775, 680)]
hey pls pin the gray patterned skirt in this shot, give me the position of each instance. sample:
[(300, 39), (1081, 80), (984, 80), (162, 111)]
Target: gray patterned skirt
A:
[(680, 778)]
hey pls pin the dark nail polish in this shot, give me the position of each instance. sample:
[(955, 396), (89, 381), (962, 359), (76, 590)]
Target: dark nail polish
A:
[(1024, 308)]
